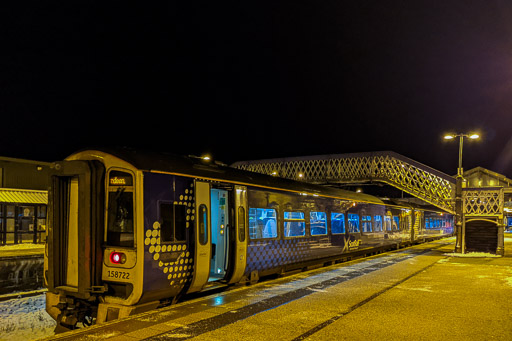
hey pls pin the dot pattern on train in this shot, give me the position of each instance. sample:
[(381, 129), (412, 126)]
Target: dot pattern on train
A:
[(180, 271), (268, 254)]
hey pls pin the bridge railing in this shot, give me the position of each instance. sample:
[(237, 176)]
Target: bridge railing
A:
[(417, 179), (487, 201)]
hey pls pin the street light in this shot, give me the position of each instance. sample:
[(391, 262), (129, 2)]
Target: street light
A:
[(458, 186)]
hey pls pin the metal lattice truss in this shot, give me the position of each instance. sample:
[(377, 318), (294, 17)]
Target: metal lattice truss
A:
[(479, 202), (391, 168)]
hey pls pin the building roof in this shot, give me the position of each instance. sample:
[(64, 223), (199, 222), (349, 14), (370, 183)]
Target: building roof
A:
[(481, 170)]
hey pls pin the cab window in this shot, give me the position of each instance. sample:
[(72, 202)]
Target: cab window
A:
[(120, 209)]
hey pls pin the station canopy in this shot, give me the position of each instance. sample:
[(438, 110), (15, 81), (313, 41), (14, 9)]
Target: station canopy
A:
[(8, 195)]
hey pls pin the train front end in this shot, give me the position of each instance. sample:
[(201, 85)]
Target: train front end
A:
[(92, 264)]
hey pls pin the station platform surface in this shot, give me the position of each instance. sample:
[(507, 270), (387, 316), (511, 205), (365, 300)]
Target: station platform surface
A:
[(420, 293)]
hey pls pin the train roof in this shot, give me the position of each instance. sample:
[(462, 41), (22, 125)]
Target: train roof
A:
[(197, 167)]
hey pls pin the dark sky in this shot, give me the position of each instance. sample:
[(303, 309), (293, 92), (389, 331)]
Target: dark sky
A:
[(251, 79)]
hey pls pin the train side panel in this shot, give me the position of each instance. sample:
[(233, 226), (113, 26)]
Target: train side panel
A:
[(168, 219)]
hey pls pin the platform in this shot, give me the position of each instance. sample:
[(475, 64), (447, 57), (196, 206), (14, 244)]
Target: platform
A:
[(419, 293)]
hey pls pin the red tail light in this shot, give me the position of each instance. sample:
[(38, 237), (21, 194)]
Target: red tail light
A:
[(117, 257)]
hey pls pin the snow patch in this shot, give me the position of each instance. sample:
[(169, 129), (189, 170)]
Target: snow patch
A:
[(427, 289), (316, 290), (472, 255), (103, 335), (25, 319), (21, 247)]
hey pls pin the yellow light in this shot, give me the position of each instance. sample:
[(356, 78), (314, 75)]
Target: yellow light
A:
[(449, 137), (206, 158), (474, 136), (301, 175), (274, 173), (359, 190)]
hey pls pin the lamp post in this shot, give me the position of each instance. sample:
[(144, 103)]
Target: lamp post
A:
[(458, 188)]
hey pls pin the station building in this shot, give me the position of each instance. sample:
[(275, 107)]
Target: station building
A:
[(23, 200)]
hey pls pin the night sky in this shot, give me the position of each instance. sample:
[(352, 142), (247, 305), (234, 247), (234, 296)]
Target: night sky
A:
[(251, 79)]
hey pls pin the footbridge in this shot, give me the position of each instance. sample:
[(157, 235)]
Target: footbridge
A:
[(479, 210), (415, 178)]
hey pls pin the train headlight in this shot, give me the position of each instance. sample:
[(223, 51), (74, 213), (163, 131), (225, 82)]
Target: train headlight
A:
[(117, 257)]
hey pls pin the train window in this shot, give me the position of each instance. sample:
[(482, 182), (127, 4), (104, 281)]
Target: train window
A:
[(377, 223), (173, 220), (120, 218), (318, 223), (262, 223), (366, 222), (337, 223), (241, 224), (353, 223), (387, 223), (294, 224), (395, 223), (203, 224)]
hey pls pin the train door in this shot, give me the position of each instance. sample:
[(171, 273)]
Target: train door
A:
[(239, 235), (229, 231), (76, 202), (202, 236), (220, 234)]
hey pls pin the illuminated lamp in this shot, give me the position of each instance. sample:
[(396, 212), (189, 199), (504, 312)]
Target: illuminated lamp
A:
[(117, 257)]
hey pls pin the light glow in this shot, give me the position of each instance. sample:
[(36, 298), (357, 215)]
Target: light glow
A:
[(449, 137), (474, 136), (117, 257)]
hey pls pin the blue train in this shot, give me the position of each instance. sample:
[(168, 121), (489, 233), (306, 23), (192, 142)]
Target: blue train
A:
[(130, 231)]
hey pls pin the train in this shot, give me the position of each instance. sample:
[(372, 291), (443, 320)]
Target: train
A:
[(129, 231)]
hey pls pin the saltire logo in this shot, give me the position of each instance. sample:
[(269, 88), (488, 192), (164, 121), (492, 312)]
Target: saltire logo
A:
[(351, 243)]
